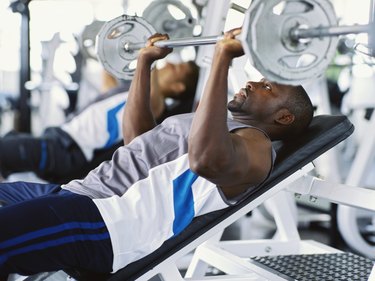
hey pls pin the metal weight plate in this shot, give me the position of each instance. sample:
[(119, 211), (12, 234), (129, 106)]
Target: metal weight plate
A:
[(266, 35), (160, 15), (111, 40), (87, 39)]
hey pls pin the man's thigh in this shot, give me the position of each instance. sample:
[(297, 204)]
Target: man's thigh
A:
[(50, 233), (16, 192)]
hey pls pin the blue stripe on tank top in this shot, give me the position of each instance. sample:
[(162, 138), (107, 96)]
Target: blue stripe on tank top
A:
[(53, 243), (50, 230), (43, 155), (112, 125), (183, 200)]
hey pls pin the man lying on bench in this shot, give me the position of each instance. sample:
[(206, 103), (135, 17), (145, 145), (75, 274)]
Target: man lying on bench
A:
[(69, 151), (162, 177)]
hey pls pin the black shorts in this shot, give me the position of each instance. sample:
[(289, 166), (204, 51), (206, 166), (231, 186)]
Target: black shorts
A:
[(61, 230)]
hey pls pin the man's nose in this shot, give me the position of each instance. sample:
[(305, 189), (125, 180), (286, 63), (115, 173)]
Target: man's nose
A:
[(250, 86)]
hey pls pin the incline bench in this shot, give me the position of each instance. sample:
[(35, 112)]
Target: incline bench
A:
[(292, 163)]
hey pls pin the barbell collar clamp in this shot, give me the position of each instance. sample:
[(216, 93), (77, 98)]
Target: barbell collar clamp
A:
[(318, 32)]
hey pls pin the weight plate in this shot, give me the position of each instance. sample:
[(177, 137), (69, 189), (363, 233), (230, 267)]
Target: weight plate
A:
[(160, 15), (87, 39), (111, 40), (267, 42)]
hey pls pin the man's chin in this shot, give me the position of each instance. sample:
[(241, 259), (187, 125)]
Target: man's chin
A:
[(234, 106)]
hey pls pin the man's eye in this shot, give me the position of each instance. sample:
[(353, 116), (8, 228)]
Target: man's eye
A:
[(267, 87)]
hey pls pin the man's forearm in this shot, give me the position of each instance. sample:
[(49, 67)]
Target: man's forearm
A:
[(209, 139), (210, 120), (138, 117), (212, 151)]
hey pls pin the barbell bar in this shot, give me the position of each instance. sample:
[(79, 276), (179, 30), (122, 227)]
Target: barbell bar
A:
[(296, 34), (238, 8), (283, 47), (174, 43)]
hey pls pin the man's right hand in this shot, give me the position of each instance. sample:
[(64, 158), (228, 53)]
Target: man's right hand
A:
[(151, 53), (229, 46)]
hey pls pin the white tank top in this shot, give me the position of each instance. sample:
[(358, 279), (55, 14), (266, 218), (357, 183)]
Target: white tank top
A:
[(147, 192)]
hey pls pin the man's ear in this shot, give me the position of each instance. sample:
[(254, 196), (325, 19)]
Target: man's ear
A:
[(178, 87), (284, 117)]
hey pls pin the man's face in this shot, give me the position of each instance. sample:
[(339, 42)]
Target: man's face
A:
[(259, 100)]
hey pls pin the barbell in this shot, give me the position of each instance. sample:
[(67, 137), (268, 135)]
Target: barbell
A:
[(288, 41)]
